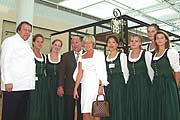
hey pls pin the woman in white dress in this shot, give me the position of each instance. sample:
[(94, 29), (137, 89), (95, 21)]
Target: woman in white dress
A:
[(92, 75)]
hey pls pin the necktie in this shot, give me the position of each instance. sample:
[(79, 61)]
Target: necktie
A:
[(77, 56)]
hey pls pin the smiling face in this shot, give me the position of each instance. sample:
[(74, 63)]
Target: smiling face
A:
[(76, 43), (38, 42), (160, 40), (112, 44), (88, 45), (88, 42), (56, 46), (135, 42), (25, 31)]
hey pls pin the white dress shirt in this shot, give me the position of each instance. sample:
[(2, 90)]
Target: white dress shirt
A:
[(76, 54), (17, 64)]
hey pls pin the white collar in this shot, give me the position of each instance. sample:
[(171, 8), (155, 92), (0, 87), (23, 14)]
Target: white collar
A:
[(161, 55), (134, 59), (20, 38), (111, 59), (80, 52), (39, 59), (59, 58)]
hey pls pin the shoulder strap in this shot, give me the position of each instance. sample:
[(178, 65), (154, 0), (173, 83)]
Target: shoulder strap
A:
[(44, 58)]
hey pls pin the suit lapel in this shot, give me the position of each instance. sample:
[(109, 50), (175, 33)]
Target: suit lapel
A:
[(73, 58)]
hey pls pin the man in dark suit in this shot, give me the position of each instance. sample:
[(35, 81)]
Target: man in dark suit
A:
[(66, 82)]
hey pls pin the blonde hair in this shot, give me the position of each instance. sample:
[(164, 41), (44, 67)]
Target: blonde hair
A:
[(90, 38), (140, 39)]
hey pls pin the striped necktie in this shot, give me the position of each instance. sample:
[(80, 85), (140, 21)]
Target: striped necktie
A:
[(77, 55)]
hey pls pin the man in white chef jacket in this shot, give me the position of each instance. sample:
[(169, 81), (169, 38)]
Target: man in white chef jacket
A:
[(17, 73)]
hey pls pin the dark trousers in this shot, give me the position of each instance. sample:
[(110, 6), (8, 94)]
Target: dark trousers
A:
[(14, 105), (69, 105)]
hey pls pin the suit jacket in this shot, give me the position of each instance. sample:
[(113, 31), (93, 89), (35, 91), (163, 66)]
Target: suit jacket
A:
[(66, 69)]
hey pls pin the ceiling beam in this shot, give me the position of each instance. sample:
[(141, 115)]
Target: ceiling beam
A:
[(173, 6)]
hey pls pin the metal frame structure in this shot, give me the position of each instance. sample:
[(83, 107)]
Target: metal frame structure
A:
[(171, 6), (105, 24)]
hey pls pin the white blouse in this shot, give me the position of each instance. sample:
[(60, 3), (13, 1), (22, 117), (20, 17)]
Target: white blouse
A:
[(123, 59), (148, 58), (173, 57), (100, 66), (59, 59), (40, 59)]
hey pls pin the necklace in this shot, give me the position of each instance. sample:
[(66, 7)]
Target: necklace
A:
[(135, 54), (54, 57), (112, 54), (159, 53)]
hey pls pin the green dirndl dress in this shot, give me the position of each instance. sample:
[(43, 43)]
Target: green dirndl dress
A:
[(164, 96), (115, 92), (138, 90), (56, 103), (37, 103)]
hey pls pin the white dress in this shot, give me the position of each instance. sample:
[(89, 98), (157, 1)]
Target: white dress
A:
[(89, 86)]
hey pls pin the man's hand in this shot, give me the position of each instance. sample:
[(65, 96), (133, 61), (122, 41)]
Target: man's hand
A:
[(76, 96), (60, 91), (9, 87)]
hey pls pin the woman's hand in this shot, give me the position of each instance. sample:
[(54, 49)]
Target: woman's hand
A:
[(100, 90), (76, 96)]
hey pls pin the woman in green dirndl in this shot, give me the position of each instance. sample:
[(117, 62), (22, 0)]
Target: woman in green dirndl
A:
[(165, 63), (117, 70), (37, 104), (139, 82), (56, 103)]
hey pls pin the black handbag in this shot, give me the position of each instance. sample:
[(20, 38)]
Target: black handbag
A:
[(100, 108)]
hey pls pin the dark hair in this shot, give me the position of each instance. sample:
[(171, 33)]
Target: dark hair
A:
[(37, 35), (153, 25), (167, 44), (57, 40), (21, 23), (113, 37)]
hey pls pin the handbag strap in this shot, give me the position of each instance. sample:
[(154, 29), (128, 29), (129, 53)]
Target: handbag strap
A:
[(98, 96)]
